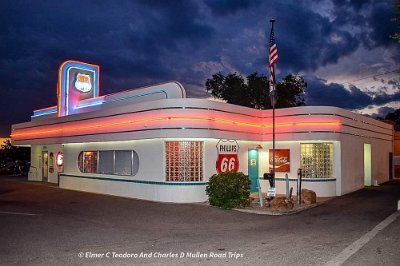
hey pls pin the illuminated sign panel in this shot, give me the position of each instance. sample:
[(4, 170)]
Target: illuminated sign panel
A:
[(228, 159), (59, 159), (83, 82), (77, 81), (282, 160)]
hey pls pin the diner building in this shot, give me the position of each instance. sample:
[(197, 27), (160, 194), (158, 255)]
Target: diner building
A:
[(156, 144)]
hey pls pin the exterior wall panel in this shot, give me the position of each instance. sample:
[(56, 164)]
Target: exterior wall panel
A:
[(145, 126)]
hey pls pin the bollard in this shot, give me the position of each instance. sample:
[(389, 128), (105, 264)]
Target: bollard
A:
[(260, 192), (287, 185), (299, 186)]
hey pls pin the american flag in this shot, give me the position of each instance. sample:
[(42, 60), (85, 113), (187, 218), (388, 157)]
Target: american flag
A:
[(273, 58)]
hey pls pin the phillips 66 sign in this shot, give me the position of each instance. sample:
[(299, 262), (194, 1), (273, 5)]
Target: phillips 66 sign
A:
[(228, 159)]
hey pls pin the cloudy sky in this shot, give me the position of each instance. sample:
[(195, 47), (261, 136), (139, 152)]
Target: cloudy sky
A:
[(341, 47)]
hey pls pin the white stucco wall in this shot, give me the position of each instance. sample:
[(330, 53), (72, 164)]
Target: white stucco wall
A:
[(37, 167), (145, 126), (353, 162), (149, 182)]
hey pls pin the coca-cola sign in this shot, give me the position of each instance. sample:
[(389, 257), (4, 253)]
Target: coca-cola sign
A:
[(282, 160)]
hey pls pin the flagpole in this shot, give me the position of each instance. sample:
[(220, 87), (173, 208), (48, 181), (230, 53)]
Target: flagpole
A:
[(273, 101)]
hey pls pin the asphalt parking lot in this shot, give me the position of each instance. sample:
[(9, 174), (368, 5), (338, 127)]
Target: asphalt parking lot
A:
[(44, 225)]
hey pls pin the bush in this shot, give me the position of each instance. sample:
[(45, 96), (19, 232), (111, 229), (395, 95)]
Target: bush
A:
[(229, 190)]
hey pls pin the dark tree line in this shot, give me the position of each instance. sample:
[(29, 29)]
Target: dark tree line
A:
[(8, 152), (254, 90)]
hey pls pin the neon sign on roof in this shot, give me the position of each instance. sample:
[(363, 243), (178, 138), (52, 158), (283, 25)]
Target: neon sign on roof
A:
[(77, 81)]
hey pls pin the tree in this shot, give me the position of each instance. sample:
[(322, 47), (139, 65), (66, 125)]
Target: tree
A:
[(394, 116), (254, 92), (230, 88), (8, 152), (291, 91)]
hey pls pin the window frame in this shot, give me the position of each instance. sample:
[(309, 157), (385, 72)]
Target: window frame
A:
[(133, 155)]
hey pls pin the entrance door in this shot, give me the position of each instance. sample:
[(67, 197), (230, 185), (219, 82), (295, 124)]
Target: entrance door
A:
[(45, 166), (367, 165), (253, 169)]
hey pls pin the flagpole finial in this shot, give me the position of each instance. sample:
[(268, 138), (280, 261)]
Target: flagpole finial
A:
[(272, 20)]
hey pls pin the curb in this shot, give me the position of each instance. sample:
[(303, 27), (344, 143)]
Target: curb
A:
[(272, 213)]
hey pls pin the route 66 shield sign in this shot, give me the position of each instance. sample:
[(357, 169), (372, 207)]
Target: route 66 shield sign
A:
[(83, 83), (228, 159)]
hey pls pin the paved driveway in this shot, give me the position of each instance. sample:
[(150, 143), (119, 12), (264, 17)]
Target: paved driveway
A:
[(46, 225)]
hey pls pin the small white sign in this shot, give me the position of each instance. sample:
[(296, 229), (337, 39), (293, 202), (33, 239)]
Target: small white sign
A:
[(82, 83), (271, 192)]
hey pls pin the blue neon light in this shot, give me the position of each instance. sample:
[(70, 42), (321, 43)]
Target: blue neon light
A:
[(88, 103), (46, 111)]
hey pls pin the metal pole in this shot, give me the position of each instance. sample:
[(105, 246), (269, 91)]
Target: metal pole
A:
[(273, 115), (273, 138)]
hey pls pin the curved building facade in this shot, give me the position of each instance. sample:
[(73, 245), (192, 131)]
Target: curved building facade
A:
[(153, 143)]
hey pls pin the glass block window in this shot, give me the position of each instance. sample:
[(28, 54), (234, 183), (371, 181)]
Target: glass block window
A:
[(184, 161), (317, 160)]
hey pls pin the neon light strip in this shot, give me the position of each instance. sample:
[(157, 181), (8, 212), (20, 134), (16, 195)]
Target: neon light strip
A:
[(90, 102), (45, 111), (154, 120)]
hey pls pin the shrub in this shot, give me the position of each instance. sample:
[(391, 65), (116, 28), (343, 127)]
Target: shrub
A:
[(229, 190)]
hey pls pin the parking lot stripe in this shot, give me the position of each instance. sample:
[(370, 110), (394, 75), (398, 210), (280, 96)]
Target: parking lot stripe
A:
[(362, 241), (20, 213)]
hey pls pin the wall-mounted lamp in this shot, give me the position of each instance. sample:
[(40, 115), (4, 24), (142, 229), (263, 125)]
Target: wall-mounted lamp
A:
[(258, 147)]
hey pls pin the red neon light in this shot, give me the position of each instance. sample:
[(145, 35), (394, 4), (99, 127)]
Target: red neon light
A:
[(155, 119)]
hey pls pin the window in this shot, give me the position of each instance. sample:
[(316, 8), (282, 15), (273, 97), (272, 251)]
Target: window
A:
[(317, 160), (184, 161), (125, 163), (87, 162), (106, 162)]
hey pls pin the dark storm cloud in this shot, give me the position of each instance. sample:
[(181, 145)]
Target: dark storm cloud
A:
[(320, 93), (129, 41), (354, 4), (373, 18), (138, 43), (228, 7), (383, 111), (379, 22), (308, 40), (387, 98)]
